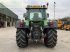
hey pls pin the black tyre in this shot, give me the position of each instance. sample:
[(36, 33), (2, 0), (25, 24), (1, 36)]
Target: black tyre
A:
[(51, 38), (21, 38)]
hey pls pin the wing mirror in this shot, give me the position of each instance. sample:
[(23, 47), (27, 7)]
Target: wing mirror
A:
[(48, 15), (25, 15)]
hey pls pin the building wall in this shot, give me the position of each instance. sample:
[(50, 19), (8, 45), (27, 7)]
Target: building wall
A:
[(7, 17), (6, 21)]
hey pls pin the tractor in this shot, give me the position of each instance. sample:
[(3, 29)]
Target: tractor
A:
[(36, 27)]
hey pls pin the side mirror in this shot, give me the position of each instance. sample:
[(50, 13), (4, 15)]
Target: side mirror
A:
[(48, 15), (25, 15)]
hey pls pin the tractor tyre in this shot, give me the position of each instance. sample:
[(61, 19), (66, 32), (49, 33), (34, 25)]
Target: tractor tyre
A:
[(21, 38), (50, 40)]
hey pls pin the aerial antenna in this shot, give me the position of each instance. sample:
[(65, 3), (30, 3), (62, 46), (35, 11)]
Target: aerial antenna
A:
[(54, 10), (47, 4)]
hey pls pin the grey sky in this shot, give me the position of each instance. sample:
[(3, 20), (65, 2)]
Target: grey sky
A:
[(18, 6)]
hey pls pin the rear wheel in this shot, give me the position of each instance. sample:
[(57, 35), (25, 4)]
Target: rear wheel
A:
[(21, 38), (51, 38)]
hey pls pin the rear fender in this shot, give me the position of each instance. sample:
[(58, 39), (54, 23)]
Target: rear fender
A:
[(25, 29), (17, 25), (45, 29)]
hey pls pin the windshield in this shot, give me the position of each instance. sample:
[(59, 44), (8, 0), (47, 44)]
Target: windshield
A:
[(35, 15)]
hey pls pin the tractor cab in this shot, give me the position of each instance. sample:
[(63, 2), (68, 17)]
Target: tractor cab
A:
[(36, 13)]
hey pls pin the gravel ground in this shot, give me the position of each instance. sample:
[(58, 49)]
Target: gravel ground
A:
[(8, 43)]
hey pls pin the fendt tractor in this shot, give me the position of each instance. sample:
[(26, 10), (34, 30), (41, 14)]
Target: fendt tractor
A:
[(36, 27)]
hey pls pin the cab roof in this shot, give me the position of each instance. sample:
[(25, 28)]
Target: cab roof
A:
[(36, 7)]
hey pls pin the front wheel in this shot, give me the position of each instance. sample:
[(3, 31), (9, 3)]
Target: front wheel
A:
[(51, 38)]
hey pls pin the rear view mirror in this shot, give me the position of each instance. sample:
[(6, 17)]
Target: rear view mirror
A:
[(48, 15), (25, 15)]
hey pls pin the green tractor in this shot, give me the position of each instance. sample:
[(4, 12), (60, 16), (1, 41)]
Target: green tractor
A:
[(36, 26)]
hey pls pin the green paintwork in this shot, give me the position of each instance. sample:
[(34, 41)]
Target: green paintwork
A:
[(45, 22), (27, 22)]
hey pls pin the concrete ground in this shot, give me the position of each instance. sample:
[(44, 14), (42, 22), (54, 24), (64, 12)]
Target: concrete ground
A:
[(8, 42)]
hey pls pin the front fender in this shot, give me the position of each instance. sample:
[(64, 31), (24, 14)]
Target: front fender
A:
[(17, 25)]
